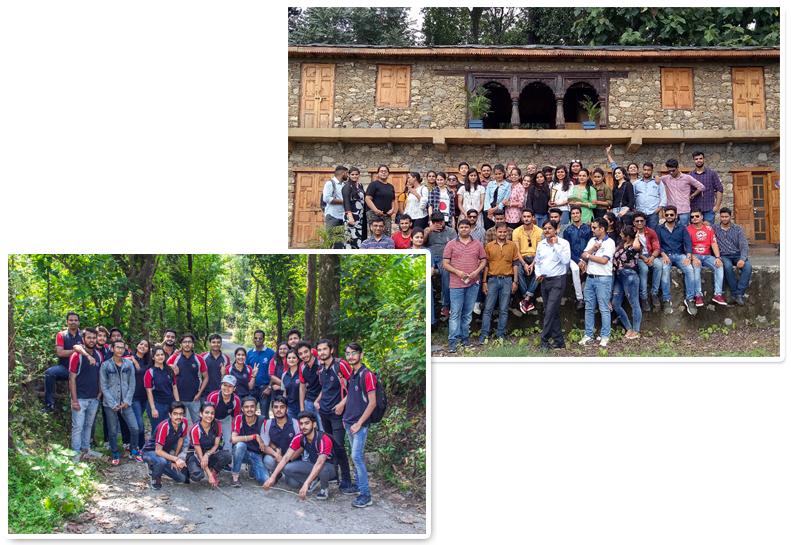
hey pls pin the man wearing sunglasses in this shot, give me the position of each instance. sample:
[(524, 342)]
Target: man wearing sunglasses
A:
[(681, 189), (705, 251), (676, 249), (649, 260)]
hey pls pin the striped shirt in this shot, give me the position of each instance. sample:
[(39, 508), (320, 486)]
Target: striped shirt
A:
[(713, 185), (464, 257), (732, 241), (386, 243)]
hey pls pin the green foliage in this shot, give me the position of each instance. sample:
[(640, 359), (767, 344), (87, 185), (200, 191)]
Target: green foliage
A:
[(592, 109), (400, 440), (445, 26), (362, 26), (477, 103), (326, 237), (44, 487)]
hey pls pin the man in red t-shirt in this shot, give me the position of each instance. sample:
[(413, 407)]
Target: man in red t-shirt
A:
[(403, 238), (705, 251)]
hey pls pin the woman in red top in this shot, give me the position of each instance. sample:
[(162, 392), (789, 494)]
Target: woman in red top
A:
[(204, 456)]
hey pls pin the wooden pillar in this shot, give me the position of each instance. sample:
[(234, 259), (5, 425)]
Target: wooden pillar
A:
[(515, 122), (560, 120)]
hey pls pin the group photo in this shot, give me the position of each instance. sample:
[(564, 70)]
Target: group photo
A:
[(273, 379)]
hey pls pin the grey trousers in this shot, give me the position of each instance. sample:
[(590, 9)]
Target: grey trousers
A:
[(299, 471)]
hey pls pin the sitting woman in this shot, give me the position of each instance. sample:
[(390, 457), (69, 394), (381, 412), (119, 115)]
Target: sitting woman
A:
[(204, 456)]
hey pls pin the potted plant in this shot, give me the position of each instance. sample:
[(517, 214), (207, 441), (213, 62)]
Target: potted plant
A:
[(478, 104), (592, 109)]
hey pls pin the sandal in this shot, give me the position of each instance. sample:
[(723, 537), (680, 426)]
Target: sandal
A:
[(235, 482)]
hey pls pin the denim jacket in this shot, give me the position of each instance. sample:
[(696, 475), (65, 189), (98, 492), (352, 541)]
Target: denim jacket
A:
[(117, 388)]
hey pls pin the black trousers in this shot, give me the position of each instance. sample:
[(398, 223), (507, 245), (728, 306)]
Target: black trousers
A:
[(333, 426), (217, 461), (552, 289)]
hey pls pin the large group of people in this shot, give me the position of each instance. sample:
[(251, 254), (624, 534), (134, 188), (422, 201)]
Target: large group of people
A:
[(497, 237), (284, 412)]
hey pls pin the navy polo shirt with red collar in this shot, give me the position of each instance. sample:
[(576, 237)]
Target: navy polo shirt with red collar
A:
[(205, 440), (242, 378), (189, 376), (223, 409), (140, 379), (161, 385), (166, 435), (361, 384), (309, 376), (290, 385), (333, 384), (214, 368), (87, 378), (275, 436), (321, 444), (241, 427), (276, 367), (67, 341)]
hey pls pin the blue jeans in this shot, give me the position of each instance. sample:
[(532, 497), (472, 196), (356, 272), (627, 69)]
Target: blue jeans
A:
[(310, 407), (656, 277), (138, 408), (162, 409), (683, 220), (728, 263), (565, 217), (357, 442), (617, 210), (254, 459), (627, 284), (540, 219), (498, 293), (192, 413), (161, 466), (293, 411), (597, 292), (82, 423), (707, 261), (689, 276), (524, 288), (269, 467), (113, 425), (461, 302), (263, 400), (708, 215), (445, 281), (56, 372)]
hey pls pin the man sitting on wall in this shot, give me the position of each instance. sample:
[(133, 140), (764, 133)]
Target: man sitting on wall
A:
[(733, 252)]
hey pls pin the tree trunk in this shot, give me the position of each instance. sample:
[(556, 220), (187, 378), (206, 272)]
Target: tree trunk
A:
[(310, 300), (279, 308), (189, 293), (206, 310), (475, 19), (255, 305), (140, 272), (329, 299)]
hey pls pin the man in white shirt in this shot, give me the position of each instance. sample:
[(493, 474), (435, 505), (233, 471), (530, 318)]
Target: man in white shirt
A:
[(332, 198), (552, 266), (598, 288)]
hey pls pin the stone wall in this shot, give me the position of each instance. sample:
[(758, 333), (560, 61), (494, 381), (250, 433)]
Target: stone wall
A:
[(635, 102), (424, 157)]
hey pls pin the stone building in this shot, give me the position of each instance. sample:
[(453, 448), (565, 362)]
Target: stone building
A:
[(401, 106)]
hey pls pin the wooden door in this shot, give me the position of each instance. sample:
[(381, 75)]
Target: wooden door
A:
[(773, 199), (397, 178), (318, 95), (308, 214), (749, 110), (743, 203)]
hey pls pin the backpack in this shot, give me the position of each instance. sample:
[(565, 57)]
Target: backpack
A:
[(381, 400), (323, 204)]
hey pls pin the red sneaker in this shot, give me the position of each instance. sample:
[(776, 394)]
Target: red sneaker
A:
[(446, 311), (719, 300), (698, 301)]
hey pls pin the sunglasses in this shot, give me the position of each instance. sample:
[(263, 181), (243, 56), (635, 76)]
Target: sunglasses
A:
[(670, 215), (693, 216), (452, 179), (638, 221), (671, 170)]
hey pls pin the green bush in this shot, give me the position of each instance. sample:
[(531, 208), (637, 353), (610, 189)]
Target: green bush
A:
[(400, 440)]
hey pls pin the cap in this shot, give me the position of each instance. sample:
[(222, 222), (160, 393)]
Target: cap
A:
[(230, 380)]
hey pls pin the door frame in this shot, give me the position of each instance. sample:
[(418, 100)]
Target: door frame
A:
[(296, 171)]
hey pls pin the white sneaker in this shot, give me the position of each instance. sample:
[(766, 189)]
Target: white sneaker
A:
[(604, 341), (585, 340), (477, 308)]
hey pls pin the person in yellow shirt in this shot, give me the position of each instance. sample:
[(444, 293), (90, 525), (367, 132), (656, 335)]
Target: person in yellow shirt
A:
[(526, 237)]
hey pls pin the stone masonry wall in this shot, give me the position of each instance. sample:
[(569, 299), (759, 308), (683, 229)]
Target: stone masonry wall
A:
[(424, 157), (635, 102)]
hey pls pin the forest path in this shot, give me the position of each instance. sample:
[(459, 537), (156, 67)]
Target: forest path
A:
[(127, 505)]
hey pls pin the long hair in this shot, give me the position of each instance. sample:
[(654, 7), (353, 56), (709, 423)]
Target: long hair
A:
[(589, 182), (215, 427), (277, 357), (566, 180), (467, 187), (168, 370), (147, 361)]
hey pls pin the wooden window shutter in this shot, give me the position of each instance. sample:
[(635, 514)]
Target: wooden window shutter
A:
[(677, 89), (392, 86)]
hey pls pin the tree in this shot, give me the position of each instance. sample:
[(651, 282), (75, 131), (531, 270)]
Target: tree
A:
[(311, 330), (139, 270), (276, 273), (363, 26), (445, 26), (329, 300)]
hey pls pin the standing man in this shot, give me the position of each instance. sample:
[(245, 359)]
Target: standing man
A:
[(490, 235), (704, 244), (259, 358), (649, 259), (464, 258), (676, 247), (403, 238), (577, 234), (333, 375), (486, 175), (64, 349), (293, 336), (309, 382), (681, 190), (192, 376), (118, 388), (496, 193), (733, 252), (359, 407), (378, 239), (649, 196), (85, 389), (709, 201), (216, 362), (527, 236), (169, 342), (598, 288), (332, 198), (552, 265), (277, 434), (500, 280), (437, 237)]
